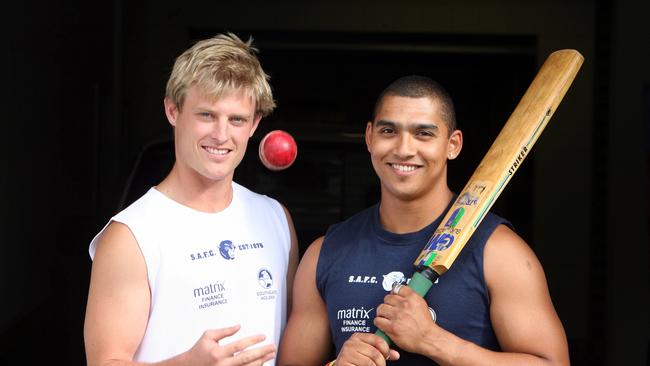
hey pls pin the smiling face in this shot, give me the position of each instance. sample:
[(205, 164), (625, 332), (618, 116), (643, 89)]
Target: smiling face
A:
[(409, 144), (211, 134)]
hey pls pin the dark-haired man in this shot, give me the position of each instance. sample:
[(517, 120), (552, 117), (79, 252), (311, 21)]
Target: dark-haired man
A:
[(491, 308)]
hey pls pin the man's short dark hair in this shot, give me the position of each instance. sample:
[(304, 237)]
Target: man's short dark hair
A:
[(417, 86)]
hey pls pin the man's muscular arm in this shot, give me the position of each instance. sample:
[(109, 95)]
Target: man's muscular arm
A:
[(524, 320), (306, 339)]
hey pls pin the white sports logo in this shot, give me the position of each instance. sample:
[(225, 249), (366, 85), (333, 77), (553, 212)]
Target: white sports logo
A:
[(391, 278)]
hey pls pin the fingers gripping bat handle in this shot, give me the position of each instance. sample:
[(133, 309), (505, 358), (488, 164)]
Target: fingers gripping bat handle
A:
[(421, 282)]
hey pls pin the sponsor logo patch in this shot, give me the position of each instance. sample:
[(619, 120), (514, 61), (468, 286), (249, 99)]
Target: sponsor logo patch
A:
[(265, 280), (227, 249), (353, 320), (210, 295), (391, 278)]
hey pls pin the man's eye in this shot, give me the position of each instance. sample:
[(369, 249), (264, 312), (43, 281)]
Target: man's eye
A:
[(238, 119), (386, 130)]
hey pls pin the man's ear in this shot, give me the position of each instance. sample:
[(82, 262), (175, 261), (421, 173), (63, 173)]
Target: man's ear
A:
[(368, 135), (455, 144), (171, 111)]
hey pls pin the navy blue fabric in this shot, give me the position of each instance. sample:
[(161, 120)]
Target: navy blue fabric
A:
[(359, 260)]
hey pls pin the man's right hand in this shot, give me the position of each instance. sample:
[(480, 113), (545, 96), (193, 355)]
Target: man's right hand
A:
[(209, 351), (365, 349)]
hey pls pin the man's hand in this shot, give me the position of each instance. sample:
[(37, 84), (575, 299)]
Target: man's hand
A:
[(405, 318), (365, 349), (209, 351)]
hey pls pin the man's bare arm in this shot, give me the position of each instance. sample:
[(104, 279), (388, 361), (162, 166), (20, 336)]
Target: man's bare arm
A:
[(118, 299), (306, 339), (524, 320)]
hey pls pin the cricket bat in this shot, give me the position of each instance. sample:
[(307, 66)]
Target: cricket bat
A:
[(499, 164)]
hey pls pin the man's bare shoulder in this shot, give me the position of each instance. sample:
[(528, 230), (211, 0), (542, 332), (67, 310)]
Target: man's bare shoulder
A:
[(509, 261), (504, 239), (116, 240), (313, 252)]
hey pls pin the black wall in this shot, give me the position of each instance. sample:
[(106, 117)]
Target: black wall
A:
[(82, 97)]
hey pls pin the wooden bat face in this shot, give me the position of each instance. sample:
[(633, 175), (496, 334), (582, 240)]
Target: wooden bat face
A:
[(502, 160)]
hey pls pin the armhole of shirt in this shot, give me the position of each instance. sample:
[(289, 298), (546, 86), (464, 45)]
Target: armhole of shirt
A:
[(324, 263), (285, 224)]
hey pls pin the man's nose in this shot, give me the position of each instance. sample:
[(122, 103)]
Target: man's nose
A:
[(405, 146), (220, 131)]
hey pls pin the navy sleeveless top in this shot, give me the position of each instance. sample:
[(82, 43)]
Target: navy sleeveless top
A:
[(359, 261)]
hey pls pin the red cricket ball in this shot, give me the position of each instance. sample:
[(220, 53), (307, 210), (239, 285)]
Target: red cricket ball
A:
[(278, 150)]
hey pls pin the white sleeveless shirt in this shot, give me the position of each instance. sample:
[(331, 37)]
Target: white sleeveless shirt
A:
[(210, 270)]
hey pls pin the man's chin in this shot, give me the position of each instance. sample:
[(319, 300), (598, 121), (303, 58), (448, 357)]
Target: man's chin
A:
[(405, 195), (217, 176)]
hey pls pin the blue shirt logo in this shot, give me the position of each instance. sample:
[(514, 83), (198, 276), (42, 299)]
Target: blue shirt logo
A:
[(264, 278), (227, 250)]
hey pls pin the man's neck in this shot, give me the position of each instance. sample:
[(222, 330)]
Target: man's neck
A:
[(400, 216), (197, 192)]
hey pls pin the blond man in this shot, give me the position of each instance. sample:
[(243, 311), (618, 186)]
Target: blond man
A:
[(176, 275)]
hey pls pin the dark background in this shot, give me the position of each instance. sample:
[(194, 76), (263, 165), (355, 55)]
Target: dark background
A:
[(82, 108)]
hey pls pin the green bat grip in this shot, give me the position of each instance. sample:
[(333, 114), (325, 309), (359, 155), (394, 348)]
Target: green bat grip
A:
[(419, 283)]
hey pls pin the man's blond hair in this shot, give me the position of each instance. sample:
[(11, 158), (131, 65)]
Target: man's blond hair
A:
[(218, 66)]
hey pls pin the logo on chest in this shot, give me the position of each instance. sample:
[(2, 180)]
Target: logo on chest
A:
[(210, 295), (265, 280), (226, 249), (386, 283), (354, 320), (362, 279), (392, 278)]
